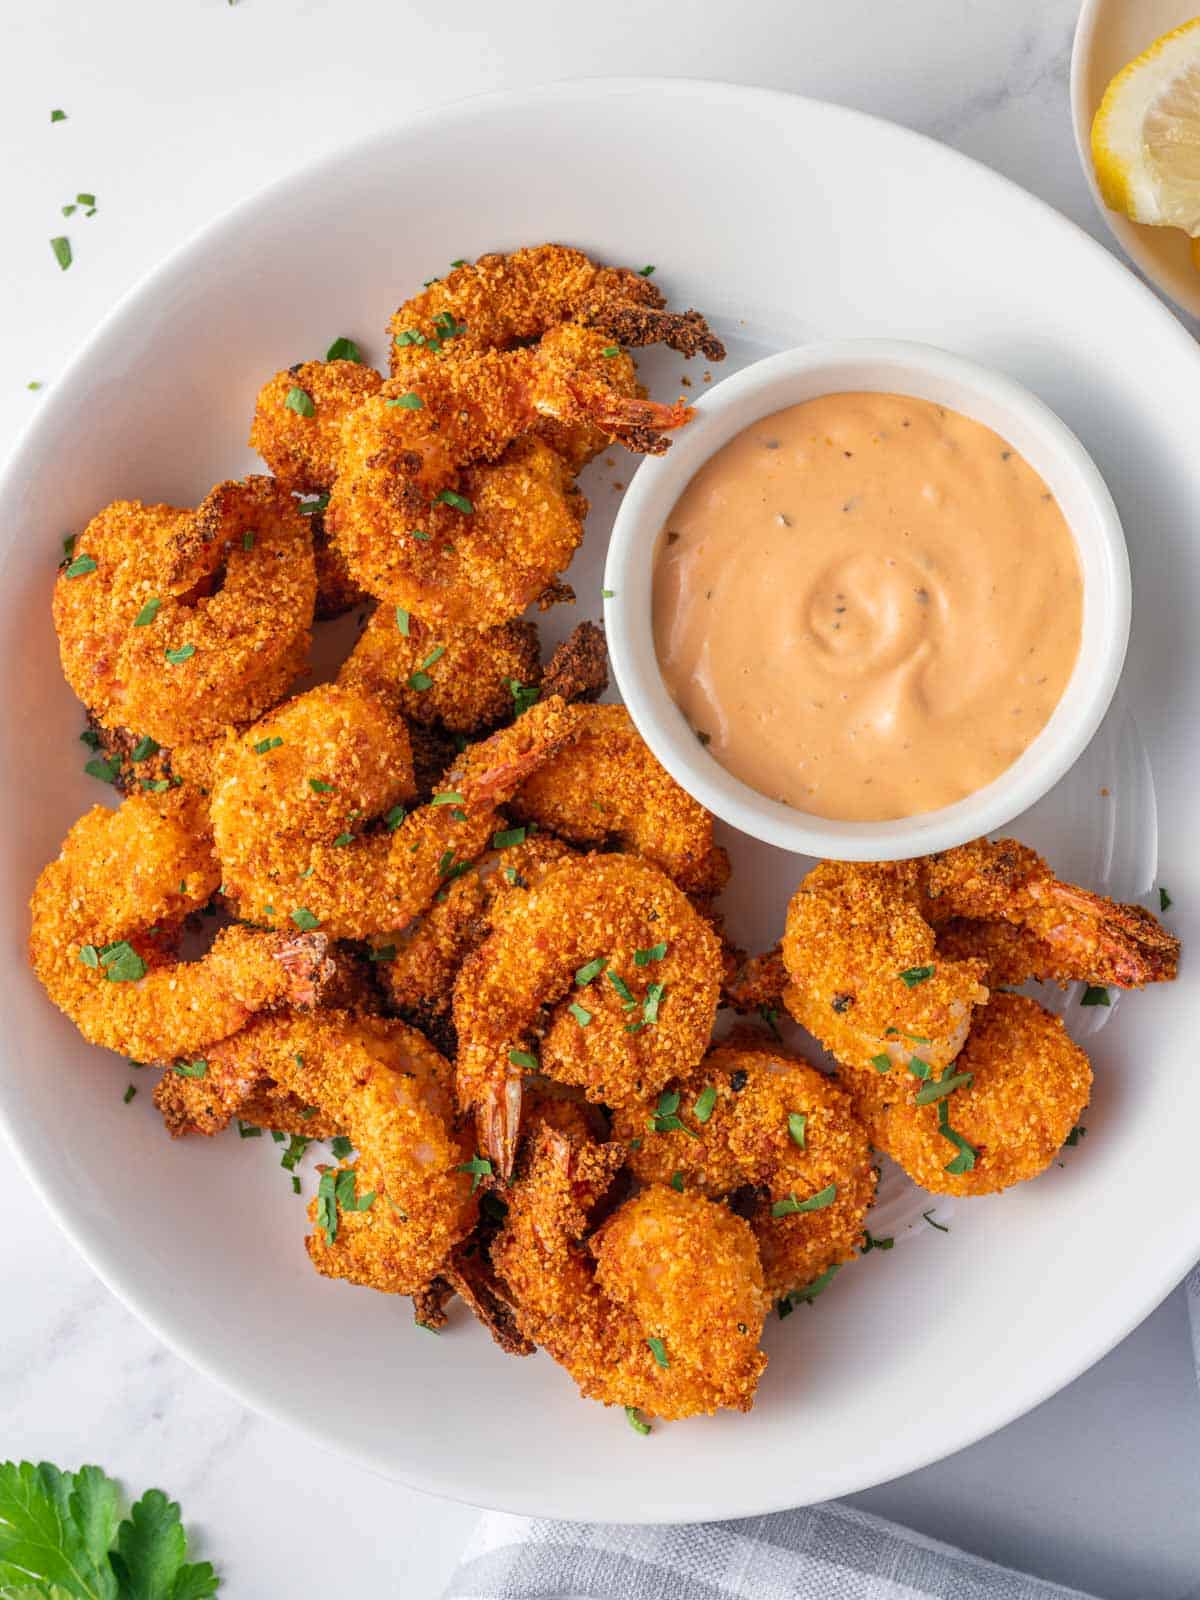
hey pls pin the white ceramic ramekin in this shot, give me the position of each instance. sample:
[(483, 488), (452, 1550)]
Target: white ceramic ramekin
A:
[(928, 374)]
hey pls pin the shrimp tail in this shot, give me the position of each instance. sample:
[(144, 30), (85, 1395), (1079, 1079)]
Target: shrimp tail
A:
[(498, 1118), (1127, 944), (687, 332), (639, 424)]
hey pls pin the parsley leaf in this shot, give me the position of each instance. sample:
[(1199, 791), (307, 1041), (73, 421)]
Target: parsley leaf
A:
[(62, 251), (815, 1202), (458, 501), (659, 1351), (912, 976), (797, 1125), (636, 1422), (643, 958), (343, 349), (299, 401), (524, 695), (57, 1531), (1095, 995)]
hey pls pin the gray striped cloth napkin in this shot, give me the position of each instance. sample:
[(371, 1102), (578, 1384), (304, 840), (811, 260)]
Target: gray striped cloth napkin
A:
[(828, 1552)]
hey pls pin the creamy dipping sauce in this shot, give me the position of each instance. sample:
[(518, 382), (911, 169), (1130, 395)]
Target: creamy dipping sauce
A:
[(867, 606)]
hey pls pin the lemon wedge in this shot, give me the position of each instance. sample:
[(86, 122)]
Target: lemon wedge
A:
[(1146, 134)]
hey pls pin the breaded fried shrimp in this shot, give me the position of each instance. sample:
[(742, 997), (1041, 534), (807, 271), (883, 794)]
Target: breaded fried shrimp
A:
[(463, 678), (864, 975), (391, 1094), (105, 916), (298, 420), (175, 623), (661, 1310), (476, 568), (290, 847), (607, 785), (1036, 926), (1015, 1092), (755, 1116), (631, 968), (504, 300)]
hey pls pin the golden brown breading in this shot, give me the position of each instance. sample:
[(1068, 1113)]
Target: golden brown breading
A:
[(622, 1029), (672, 1268), (1027, 1084), (277, 812), (464, 679), (578, 669), (105, 917), (864, 974), (187, 620), (302, 446), (1073, 934), (754, 1115), (337, 591), (607, 785), (390, 1092), (458, 569)]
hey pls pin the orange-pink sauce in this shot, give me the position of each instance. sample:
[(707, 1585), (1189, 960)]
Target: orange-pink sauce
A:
[(867, 606)]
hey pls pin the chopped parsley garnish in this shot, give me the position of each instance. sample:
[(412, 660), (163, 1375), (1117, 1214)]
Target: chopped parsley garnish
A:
[(80, 566), (341, 1146), (129, 1094), (248, 540), (313, 508), (807, 1295), (184, 653), (191, 1069), (62, 251), (447, 327), (607, 594), (342, 840), (912, 976), (247, 1130), (34, 384), (1164, 900), (815, 1202), (705, 1102), (645, 272), (420, 681), (263, 745), (343, 349), (407, 402), (327, 1219), (402, 621), (643, 958), (522, 1058), (461, 262), (797, 1124), (524, 695), (86, 200), (581, 1016), (592, 969), (913, 1038), (928, 1217), (58, 116), (945, 1085), (636, 1422), (319, 786), (964, 1161), (448, 798), (919, 1068), (91, 738), (658, 1350), (144, 749), (870, 1242), (458, 501), (394, 818), (298, 1143), (1077, 1132), (611, 350), (121, 962), (508, 837), (770, 1015), (106, 768), (666, 1119), (147, 614), (304, 919), (299, 401), (479, 1167), (882, 1062), (623, 990), (383, 952), (1095, 995), (653, 1000)]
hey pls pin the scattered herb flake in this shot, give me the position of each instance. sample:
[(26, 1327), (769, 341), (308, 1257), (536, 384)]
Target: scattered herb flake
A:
[(635, 1421), (58, 116), (343, 349), (403, 621), (458, 501), (185, 652), (797, 1125), (144, 749), (928, 1217), (643, 958), (407, 402), (263, 745), (705, 1102), (945, 1085), (319, 786), (1164, 899), (394, 818), (1077, 1132), (81, 566), (508, 837), (106, 768), (62, 251), (304, 919), (581, 1016), (147, 614), (815, 1202), (191, 1069), (870, 1242), (658, 1350), (341, 1146), (522, 1058), (1095, 995), (247, 1130), (645, 272), (592, 969), (129, 1094), (524, 695), (479, 1167), (882, 1062), (912, 976), (301, 402), (919, 1068)]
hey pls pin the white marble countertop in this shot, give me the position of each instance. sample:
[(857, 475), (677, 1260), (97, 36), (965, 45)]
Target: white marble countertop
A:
[(175, 111)]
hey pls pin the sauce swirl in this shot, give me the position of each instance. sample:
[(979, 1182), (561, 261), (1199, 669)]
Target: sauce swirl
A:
[(867, 606)]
